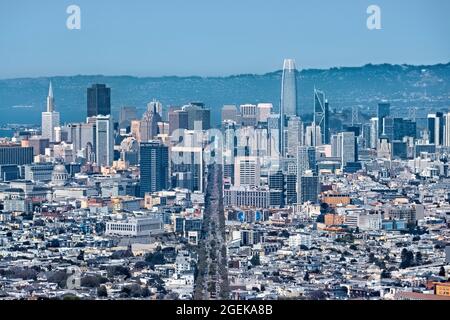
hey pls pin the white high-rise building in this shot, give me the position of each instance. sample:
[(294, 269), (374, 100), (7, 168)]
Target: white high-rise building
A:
[(156, 107), (104, 140), (343, 147), (249, 114), (447, 130), (247, 171), (313, 137), (263, 111), (294, 135), (373, 133), (50, 118)]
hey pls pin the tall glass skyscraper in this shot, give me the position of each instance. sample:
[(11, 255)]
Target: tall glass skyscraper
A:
[(154, 167), (383, 111), (289, 89), (288, 106), (98, 100), (321, 114)]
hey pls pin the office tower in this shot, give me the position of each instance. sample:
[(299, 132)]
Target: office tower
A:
[(273, 128), (127, 114), (38, 172), (289, 167), (403, 128), (289, 89), (288, 107), (247, 171), (308, 188), (263, 111), (136, 129), (313, 136), (261, 147), (287, 183), (230, 113), (436, 128), (88, 137), (356, 129), (248, 115), (74, 135), (276, 180), (154, 167), (321, 115), (373, 133), (344, 147), (383, 110), (388, 128), (178, 120), (366, 135), (249, 197), (163, 128), (230, 150), (294, 135), (50, 118), (187, 166), (155, 107), (399, 150), (148, 128), (447, 130), (199, 118), (129, 151), (15, 154), (104, 137), (98, 100), (384, 149), (306, 160), (38, 143), (82, 135), (9, 172)]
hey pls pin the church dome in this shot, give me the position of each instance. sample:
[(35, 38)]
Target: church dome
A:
[(59, 175)]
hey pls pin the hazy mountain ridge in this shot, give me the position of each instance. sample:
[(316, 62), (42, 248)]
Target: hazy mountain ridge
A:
[(405, 85)]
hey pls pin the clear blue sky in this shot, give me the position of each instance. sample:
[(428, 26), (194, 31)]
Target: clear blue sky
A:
[(215, 37)]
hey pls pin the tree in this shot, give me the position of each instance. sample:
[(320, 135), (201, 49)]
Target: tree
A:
[(118, 271), (81, 255), (102, 292), (122, 254), (93, 281), (385, 274), (146, 292), (318, 295), (306, 277), (407, 259), (155, 258), (284, 234), (255, 260), (419, 258), (59, 277)]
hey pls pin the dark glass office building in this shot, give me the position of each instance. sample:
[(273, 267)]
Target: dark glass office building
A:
[(98, 100), (154, 166), (383, 111), (16, 155)]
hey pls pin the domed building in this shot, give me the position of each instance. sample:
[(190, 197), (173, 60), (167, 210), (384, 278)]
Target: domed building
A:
[(59, 175), (129, 151)]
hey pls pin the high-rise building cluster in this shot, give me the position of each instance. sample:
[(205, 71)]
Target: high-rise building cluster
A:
[(283, 199)]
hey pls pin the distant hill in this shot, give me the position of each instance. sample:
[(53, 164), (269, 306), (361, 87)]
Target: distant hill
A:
[(424, 87)]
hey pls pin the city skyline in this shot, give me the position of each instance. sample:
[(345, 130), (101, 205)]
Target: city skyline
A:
[(299, 184)]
